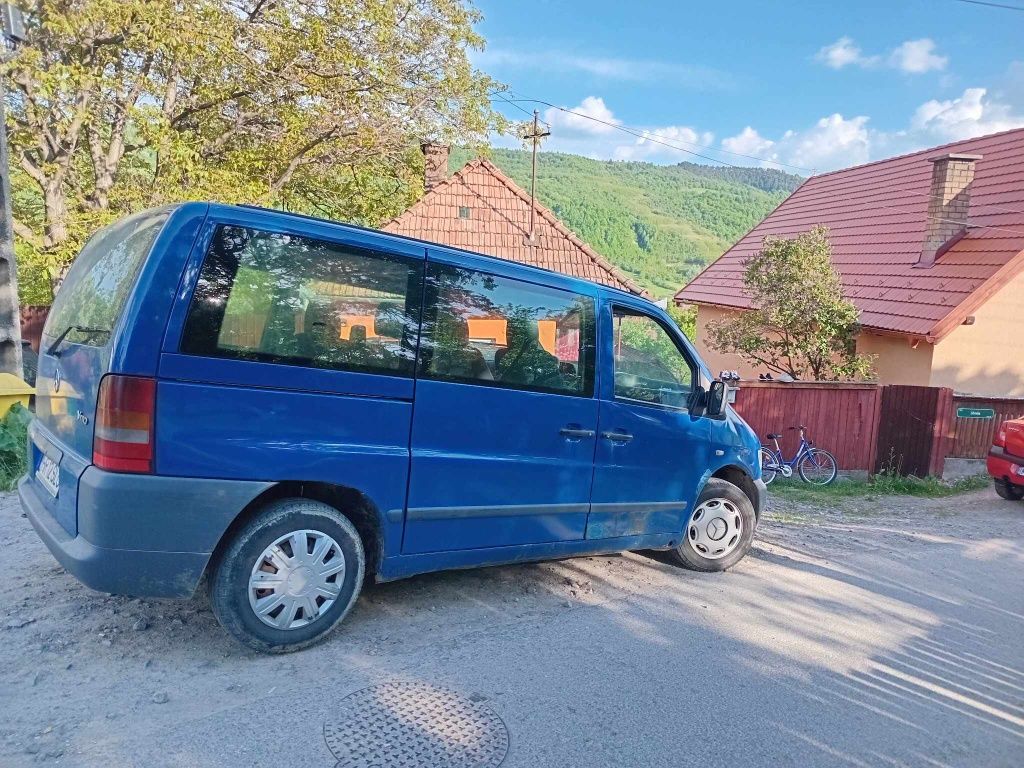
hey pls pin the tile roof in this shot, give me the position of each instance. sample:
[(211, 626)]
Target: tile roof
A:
[(499, 223), (877, 215)]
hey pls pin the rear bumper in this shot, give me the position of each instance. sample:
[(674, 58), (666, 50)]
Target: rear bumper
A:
[(1002, 466), (140, 535)]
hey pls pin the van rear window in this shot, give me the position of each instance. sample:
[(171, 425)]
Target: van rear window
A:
[(97, 286)]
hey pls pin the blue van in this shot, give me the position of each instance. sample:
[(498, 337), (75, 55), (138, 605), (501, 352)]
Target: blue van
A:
[(272, 407)]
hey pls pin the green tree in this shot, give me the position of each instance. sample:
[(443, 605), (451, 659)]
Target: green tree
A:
[(121, 104), (686, 318), (800, 323)]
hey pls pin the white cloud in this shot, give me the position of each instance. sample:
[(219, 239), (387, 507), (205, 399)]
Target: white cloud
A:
[(677, 135), (917, 56), (589, 129), (748, 142), (832, 142), (843, 52), (692, 77), (972, 114), (577, 120), (911, 56), (838, 142)]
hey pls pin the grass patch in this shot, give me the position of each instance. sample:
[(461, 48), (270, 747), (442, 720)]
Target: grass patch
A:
[(879, 485), (14, 445)]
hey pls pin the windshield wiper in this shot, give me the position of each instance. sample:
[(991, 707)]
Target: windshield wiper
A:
[(54, 349)]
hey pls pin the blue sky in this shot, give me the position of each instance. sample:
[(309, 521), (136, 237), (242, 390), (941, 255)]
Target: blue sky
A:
[(819, 85)]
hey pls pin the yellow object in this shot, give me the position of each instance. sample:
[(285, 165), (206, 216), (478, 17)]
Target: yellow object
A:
[(13, 390)]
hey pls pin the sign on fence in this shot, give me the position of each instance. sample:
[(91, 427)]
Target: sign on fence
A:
[(975, 413)]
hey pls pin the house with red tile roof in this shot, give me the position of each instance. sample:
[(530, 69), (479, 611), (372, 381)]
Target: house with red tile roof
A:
[(929, 246), (481, 209)]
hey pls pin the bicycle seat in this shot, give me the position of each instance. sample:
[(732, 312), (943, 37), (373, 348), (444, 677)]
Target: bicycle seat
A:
[(774, 436)]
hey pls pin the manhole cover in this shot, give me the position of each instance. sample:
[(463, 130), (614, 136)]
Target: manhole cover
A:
[(415, 725)]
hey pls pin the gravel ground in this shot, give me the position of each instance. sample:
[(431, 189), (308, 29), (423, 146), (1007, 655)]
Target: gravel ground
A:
[(876, 633)]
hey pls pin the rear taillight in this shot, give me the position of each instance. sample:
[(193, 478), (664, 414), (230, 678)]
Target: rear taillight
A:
[(1001, 437), (125, 414)]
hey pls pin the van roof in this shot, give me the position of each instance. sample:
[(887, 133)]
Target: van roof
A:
[(560, 278)]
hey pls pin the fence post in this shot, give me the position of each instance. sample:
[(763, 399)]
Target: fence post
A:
[(874, 420), (942, 432)]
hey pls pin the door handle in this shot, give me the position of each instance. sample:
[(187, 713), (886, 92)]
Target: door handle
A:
[(575, 432), (618, 437)]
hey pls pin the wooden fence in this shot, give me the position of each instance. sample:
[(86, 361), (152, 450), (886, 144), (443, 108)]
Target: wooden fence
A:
[(840, 417), (32, 320), (972, 438)]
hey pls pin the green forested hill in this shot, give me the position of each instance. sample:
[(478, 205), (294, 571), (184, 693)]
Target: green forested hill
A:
[(660, 224)]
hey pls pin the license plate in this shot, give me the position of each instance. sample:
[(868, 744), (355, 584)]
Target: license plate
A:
[(48, 475)]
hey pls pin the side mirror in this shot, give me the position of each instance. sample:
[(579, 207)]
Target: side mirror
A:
[(716, 398)]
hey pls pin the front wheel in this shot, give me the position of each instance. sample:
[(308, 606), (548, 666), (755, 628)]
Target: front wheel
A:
[(818, 467), (720, 530), (1009, 492), (289, 576), (769, 465)]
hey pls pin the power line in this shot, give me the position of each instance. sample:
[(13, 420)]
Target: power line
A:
[(993, 5), (524, 110), (648, 136)]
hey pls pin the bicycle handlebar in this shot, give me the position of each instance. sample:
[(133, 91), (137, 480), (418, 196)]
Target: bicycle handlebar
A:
[(802, 428)]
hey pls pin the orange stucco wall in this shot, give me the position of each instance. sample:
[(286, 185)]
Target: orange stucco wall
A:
[(986, 358), (896, 360), (717, 361)]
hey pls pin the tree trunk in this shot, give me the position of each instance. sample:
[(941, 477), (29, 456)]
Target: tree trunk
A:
[(55, 206)]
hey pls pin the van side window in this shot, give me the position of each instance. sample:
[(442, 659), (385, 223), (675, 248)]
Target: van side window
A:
[(277, 298), (649, 366), (485, 329)]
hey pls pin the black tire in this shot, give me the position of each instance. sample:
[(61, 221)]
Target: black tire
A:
[(1009, 492), (723, 491), (768, 460), (229, 581), (822, 460)]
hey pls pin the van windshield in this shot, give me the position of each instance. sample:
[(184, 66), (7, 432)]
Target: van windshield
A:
[(94, 293)]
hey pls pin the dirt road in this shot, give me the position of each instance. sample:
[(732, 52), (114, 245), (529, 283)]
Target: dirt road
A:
[(884, 632)]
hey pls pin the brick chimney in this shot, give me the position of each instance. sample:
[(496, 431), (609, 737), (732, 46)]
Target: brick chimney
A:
[(435, 164), (949, 201)]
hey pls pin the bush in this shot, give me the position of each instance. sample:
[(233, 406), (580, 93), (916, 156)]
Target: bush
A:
[(13, 445)]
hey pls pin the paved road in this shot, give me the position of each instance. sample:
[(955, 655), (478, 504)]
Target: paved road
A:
[(885, 633)]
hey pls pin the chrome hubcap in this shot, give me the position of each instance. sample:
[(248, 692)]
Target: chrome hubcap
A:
[(296, 579), (715, 528)]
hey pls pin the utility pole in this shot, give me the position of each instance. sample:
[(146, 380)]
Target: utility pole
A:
[(10, 314), (535, 136)]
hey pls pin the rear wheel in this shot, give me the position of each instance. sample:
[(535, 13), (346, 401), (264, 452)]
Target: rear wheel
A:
[(769, 465), (818, 467), (720, 530), (1009, 492), (289, 576)]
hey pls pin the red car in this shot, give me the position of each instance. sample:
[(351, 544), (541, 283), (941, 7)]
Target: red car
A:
[(1006, 460)]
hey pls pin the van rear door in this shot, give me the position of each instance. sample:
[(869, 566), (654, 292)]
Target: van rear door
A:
[(75, 352)]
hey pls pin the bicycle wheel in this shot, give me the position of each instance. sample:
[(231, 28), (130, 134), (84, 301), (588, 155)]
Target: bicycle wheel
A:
[(769, 465), (818, 467)]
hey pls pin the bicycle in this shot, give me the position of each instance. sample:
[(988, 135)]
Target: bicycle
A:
[(814, 465)]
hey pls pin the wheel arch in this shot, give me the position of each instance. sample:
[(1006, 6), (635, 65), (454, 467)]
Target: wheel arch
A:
[(349, 501), (742, 479)]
